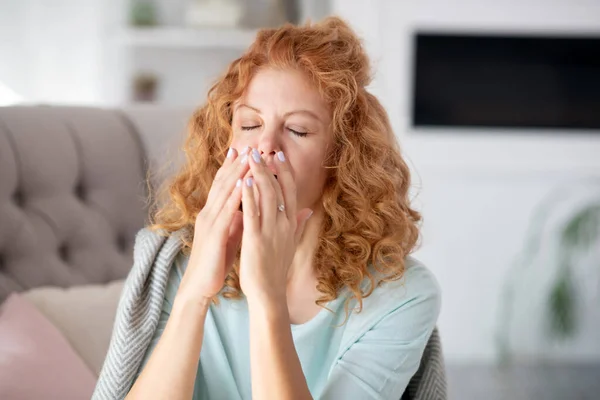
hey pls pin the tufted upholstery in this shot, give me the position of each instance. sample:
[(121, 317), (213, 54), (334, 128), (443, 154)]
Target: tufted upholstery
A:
[(72, 192)]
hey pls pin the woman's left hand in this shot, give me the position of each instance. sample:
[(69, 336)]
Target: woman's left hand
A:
[(270, 236)]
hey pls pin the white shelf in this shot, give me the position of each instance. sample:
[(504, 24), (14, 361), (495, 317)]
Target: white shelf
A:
[(201, 38)]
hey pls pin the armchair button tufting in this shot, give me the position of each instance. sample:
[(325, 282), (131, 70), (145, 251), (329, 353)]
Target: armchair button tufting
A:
[(63, 252), (19, 198), (80, 191), (121, 243)]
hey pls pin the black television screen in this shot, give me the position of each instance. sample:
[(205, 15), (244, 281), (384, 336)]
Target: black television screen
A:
[(465, 80)]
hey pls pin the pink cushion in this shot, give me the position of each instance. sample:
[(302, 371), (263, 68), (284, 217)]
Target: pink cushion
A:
[(36, 361)]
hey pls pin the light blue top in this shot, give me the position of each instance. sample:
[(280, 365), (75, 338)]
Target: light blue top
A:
[(372, 356)]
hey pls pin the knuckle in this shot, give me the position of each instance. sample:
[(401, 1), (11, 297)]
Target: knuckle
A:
[(216, 186), (270, 195), (219, 174)]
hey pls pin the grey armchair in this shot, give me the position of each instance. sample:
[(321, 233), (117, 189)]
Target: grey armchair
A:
[(72, 191), (429, 382)]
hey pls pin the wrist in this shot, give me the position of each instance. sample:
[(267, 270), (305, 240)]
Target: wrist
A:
[(185, 303), (269, 307)]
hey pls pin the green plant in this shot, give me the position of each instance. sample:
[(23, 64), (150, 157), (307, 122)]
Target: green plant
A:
[(143, 13), (576, 238)]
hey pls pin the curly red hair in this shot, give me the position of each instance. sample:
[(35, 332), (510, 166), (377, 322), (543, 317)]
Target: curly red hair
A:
[(367, 216)]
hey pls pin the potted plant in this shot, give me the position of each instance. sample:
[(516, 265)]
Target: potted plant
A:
[(573, 237)]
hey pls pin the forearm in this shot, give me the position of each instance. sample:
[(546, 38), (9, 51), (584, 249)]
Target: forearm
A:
[(171, 370), (276, 369)]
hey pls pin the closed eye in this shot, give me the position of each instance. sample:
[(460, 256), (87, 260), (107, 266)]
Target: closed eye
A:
[(301, 134), (297, 133)]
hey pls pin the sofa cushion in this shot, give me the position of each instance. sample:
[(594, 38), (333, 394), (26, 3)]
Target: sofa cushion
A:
[(84, 314), (36, 361)]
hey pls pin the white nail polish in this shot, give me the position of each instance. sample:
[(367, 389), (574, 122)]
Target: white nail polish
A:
[(238, 183)]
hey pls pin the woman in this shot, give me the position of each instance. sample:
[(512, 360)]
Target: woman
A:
[(281, 259)]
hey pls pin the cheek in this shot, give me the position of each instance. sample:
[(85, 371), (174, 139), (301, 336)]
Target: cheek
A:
[(238, 144), (309, 177)]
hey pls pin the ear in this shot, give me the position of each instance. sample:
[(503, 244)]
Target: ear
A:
[(302, 218)]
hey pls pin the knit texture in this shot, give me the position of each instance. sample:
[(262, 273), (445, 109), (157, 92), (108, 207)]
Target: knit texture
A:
[(138, 312)]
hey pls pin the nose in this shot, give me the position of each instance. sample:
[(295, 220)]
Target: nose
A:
[(268, 143)]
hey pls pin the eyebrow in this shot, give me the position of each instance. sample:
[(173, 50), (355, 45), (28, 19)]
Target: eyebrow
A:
[(308, 112)]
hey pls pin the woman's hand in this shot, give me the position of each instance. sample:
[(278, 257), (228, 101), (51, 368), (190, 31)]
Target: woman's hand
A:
[(217, 231), (270, 236)]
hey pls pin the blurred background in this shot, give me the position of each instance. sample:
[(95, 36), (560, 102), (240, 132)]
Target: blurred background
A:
[(496, 105)]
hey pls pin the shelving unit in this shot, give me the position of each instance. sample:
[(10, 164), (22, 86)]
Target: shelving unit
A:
[(176, 37), (185, 60)]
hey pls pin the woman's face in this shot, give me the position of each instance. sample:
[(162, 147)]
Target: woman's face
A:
[(281, 111)]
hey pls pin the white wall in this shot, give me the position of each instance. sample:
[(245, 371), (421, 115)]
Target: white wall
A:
[(478, 192), (51, 50)]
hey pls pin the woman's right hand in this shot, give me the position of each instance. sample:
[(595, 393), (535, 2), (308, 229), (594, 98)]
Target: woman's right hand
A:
[(218, 230)]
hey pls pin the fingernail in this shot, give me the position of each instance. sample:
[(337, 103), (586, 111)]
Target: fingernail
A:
[(230, 152), (238, 183), (281, 156), (256, 156), (309, 215), (245, 151), (249, 182), (244, 159)]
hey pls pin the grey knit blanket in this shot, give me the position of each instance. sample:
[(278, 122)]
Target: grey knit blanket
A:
[(137, 313), (139, 310)]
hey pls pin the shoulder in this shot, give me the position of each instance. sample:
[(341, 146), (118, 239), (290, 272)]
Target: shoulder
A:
[(411, 302), (417, 284), (382, 346)]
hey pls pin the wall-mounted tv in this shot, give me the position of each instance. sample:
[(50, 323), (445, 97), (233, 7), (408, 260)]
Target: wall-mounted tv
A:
[(473, 80)]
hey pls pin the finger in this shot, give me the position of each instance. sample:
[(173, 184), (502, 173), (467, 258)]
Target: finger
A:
[(230, 157), (254, 189), (251, 217), (287, 184), (230, 208), (267, 187), (222, 189), (235, 238), (224, 171)]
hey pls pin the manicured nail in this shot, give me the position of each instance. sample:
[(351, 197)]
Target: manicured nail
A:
[(245, 151), (280, 156), (309, 215), (230, 152), (244, 159), (256, 156), (238, 183), (249, 182)]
